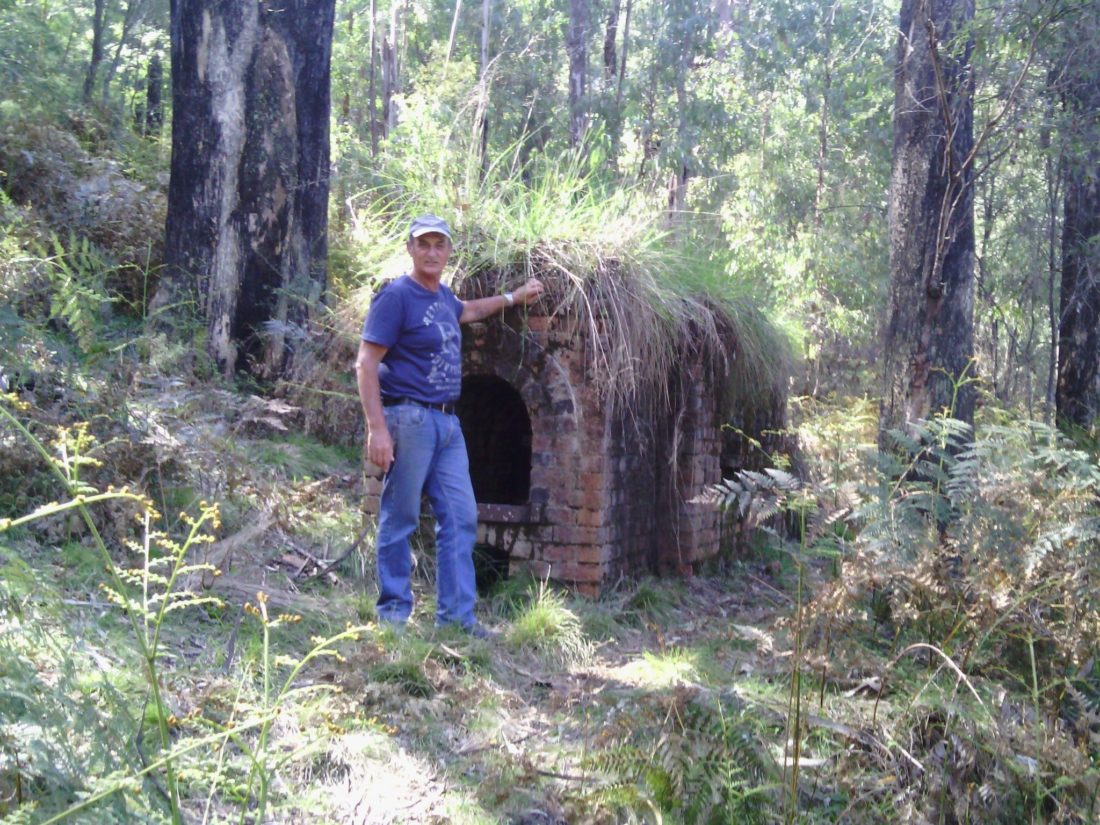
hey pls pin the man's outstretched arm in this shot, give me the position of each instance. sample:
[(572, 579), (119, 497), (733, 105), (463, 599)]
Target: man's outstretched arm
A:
[(481, 308)]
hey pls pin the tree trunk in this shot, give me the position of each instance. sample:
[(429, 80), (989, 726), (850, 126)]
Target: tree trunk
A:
[(483, 88), (454, 28), (248, 192), (677, 200), (1053, 202), (1078, 390), (99, 25), (131, 17), (372, 93), (928, 352), (610, 61), (823, 119), (389, 75), (154, 89), (622, 59), (575, 45)]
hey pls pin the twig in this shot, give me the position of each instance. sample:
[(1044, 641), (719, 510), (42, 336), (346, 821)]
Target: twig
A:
[(231, 650), (567, 776), (760, 581), (328, 568), (97, 605)]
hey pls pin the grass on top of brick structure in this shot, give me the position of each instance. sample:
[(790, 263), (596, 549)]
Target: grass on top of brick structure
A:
[(646, 295)]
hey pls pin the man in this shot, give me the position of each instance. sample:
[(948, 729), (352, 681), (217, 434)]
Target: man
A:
[(410, 374)]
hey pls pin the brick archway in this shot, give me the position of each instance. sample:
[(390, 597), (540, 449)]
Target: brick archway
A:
[(497, 428)]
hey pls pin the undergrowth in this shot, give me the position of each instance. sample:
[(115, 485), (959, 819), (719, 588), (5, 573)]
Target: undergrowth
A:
[(961, 609)]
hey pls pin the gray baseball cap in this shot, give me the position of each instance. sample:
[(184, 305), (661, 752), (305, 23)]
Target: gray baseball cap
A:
[(428, 223)]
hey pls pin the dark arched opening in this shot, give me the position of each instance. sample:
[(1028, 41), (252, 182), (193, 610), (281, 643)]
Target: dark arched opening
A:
[(498, 439)]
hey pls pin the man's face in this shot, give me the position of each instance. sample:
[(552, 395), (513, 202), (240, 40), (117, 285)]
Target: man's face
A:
[(429, 253)]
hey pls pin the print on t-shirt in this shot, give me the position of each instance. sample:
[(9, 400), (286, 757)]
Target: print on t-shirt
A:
[(446, 371)]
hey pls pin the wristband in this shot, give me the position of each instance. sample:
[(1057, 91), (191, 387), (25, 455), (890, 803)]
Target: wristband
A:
[(508, 299)]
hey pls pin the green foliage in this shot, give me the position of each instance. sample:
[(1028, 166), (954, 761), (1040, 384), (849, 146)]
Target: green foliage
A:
[(970, 554), (693, 755), (77, 289), (544, 624), (147, 593), (299, 456), (43, 767)]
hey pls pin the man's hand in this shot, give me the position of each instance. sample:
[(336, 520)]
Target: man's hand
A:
[(529, 292), (380, 448)]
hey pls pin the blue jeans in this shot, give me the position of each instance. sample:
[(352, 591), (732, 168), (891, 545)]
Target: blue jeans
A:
[(429, 457)]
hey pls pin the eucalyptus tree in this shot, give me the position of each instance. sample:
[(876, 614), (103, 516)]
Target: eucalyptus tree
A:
[(1078, 390), (576, 45), (99, 25), (928, 350), (248, 190)]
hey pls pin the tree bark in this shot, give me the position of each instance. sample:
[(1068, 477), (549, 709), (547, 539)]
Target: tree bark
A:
[(389, 75), (131, 17), (928, 353), (575, 44), (454, 28), (99, 25), (483, 88), (622, 59), (372, 93), (678, 184), (610, 61), (154, 89), (1078, 392), (248, 191)]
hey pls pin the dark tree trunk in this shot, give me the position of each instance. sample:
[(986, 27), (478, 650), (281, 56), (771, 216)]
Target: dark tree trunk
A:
[(154, 89), (678, 183), (1078, 391), (483, 91), (248, 193), (99, 25), (576, 34), (929, 333), (622, 58), (610, 61)]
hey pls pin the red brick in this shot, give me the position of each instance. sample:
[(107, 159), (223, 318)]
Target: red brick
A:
[(592, 463), (578, 573), (558, 553), (542, 442), (591, 517), (593, 482), (589, 590), (557, 514), (537, 568), (568, 534), (576, 497)]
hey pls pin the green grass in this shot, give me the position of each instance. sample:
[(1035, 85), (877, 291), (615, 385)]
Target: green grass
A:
[(547, 627), (607, 257), (302, 458)]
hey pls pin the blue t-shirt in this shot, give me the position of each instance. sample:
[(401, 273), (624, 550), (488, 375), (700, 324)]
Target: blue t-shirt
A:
[(420, 330)]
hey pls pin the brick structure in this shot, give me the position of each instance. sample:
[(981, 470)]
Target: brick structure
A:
[(567, 485)]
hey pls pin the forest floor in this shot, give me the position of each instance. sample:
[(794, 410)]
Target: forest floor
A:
[(664, 696)]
